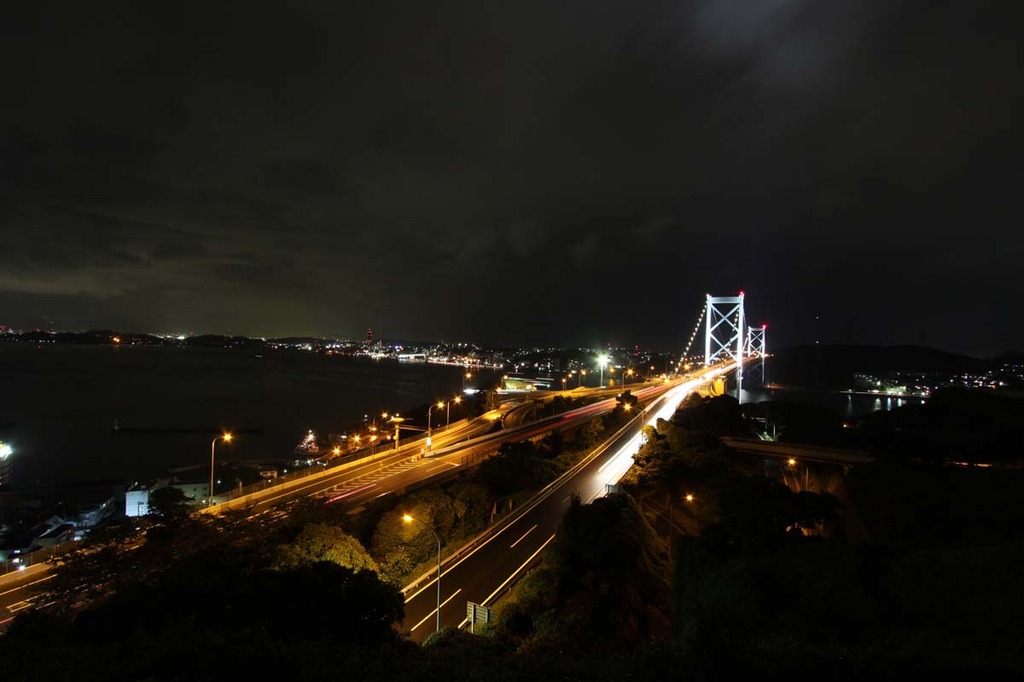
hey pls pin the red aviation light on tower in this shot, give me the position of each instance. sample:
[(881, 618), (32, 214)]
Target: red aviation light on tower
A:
[(741, 292)]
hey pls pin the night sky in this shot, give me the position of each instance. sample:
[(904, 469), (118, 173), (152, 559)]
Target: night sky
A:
[(549, 173)]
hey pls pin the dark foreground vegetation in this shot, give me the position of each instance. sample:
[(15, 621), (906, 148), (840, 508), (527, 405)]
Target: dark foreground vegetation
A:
[(707, 565)]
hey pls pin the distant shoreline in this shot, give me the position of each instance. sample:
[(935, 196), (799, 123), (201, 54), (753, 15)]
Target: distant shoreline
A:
[(171, 429), (846, 391)]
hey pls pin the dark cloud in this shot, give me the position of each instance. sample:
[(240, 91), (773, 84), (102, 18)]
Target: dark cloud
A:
[(569, 172)]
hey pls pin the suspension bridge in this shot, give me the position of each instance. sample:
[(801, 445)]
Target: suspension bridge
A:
[(728, 337)]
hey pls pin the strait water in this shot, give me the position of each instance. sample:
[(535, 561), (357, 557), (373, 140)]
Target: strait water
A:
[(845, 404), (59, 405)]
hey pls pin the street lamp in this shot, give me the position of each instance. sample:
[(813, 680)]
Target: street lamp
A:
[(440, 403), (448, 411), (429, 409), (563, 382), (409, 519), (579, 380), (226, 437), (397, 421), (807, 473), (602, 360)]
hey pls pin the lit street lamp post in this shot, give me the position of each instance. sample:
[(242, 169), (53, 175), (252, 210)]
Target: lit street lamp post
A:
[(383, 416), (227, 439), (602, 360), (397, 421), (448, 411), (408, 519), (439, 404), (807, 473)]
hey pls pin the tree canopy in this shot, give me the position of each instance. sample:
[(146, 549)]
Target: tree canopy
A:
[(324, 542)]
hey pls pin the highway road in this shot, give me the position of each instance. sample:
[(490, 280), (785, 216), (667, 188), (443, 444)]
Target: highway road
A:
[(809, 453), (17, 591), (397, 471), (481, 572)]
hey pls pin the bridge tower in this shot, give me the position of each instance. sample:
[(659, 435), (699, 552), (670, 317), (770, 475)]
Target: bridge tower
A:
[(756, 345), (724, 332), (755, 340), (723, 335)]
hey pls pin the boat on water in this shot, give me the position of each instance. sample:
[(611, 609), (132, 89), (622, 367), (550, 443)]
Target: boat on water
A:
[(308, 445)]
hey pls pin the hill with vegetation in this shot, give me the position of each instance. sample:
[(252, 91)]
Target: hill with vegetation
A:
[(831, 367)]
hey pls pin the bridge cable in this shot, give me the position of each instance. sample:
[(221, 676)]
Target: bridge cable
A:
[(696, 328)]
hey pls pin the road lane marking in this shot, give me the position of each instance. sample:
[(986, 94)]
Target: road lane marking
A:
[(465, 621), (521, 539), (425, 618), (351, 492), (521, 567)]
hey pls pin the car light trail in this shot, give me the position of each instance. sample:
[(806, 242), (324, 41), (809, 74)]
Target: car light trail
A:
[(620, 463)]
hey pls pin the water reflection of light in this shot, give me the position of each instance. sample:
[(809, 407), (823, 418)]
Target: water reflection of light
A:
[(846, 404)]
